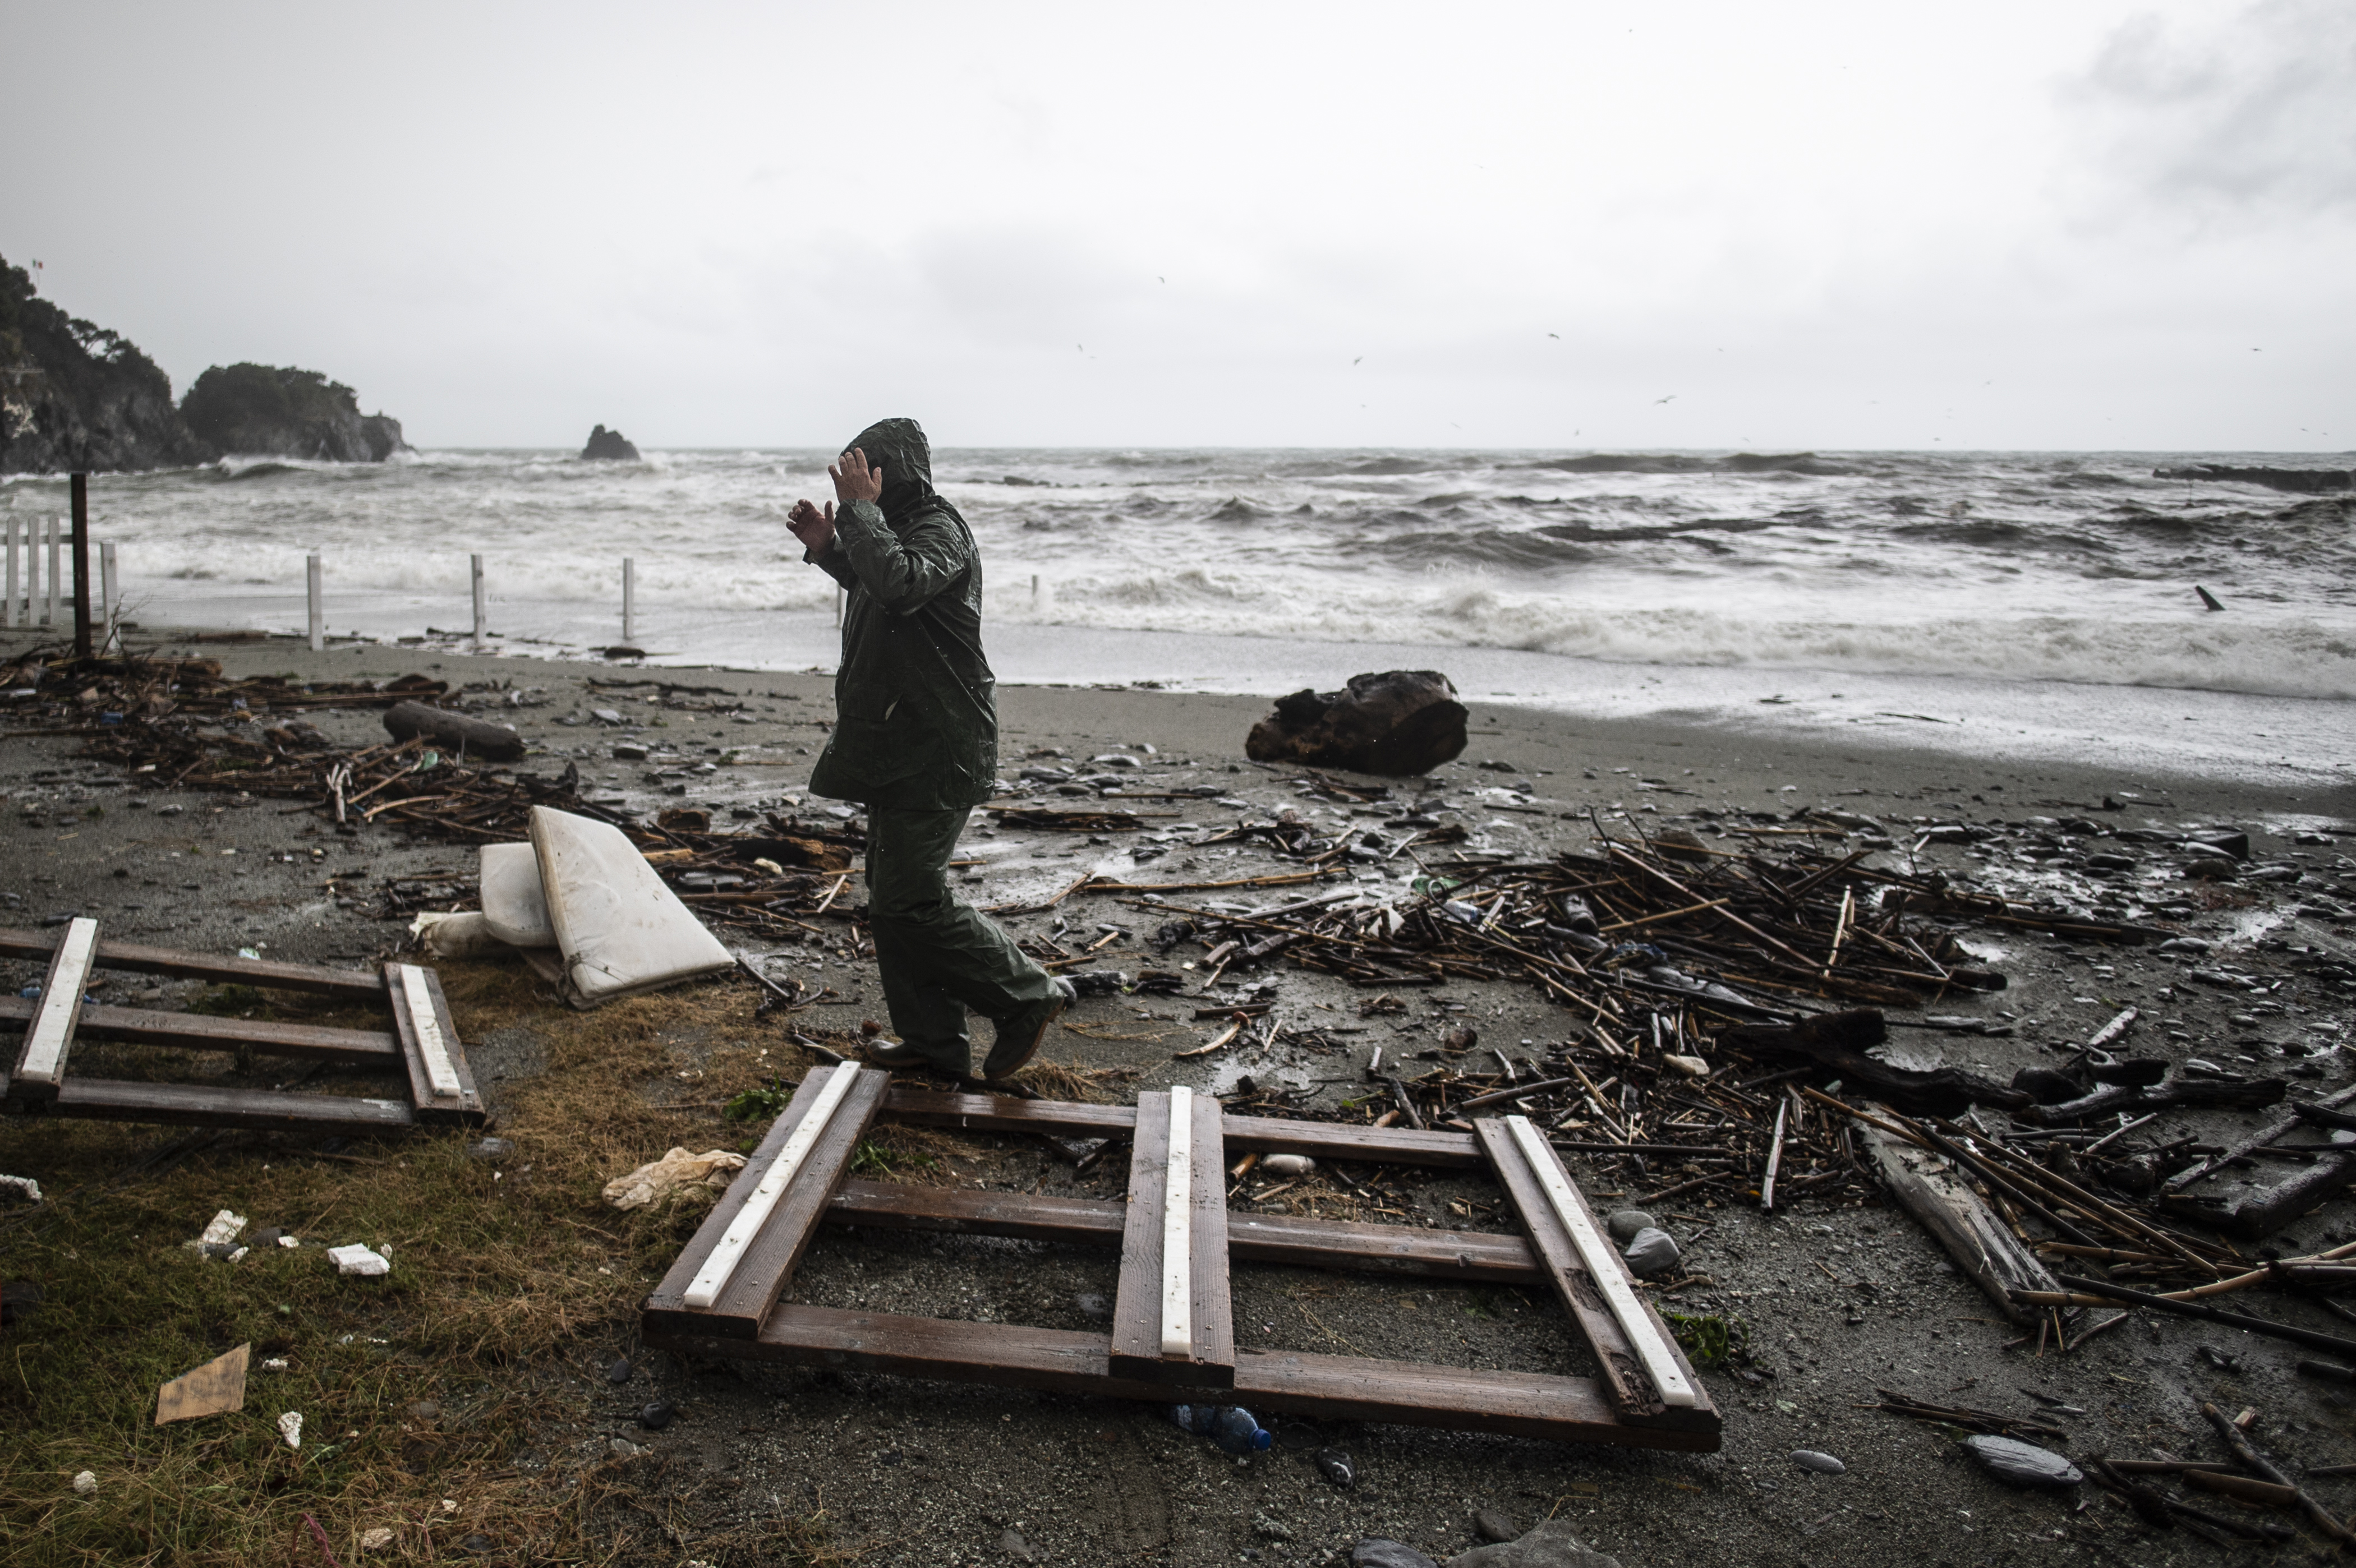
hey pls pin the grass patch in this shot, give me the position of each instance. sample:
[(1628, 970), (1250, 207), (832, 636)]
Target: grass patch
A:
[(468, 1374), (1712, 1341)]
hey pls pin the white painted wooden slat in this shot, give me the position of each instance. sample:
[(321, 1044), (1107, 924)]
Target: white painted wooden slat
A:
[(713, 1276), (439, 1071), (52, 1030), (1177, 1229), (1604, 1267)]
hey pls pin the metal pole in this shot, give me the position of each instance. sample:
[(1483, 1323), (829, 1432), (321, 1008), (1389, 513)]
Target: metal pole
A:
[(8, 610), (629, 593), (318, 606), (475, 565), (81, 565), (106, 578)]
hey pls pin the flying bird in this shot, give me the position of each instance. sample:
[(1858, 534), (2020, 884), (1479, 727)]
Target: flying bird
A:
[(1671, 398), (1555, 336), (1354, 361)]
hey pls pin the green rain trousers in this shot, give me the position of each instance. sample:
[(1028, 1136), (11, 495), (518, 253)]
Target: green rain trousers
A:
[(916, 740), (939, 955)]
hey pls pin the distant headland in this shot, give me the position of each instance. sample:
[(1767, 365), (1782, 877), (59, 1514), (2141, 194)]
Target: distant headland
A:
[(75, 396)]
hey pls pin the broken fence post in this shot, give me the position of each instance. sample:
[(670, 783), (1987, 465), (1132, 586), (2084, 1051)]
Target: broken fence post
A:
[(50, 540), (629, 592), (8, 606), (475, 571), (79, 487), (106, 577), (319, 610)]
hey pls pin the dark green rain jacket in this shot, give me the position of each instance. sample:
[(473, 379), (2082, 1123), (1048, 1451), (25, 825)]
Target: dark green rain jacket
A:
[(916, 714)]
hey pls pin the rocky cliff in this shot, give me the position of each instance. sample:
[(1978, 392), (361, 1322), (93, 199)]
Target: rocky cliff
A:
[(608, 446), (75, 396), (265, 411)]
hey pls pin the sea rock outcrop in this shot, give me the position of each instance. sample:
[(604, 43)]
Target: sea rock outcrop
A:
[(2298, 481), (77, 397), (1400, 723), (608, 446), (267, 411)]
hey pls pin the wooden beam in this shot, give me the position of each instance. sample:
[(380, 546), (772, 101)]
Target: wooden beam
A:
[(200, 1031), (780, 1231), (441, 1087), (355, 983), (1644, 1374), (1300, 1239), (1267, 1135), (1927, 1186), (50, 1037), (1335, 1388), (199, 1106), (1172, 1320)]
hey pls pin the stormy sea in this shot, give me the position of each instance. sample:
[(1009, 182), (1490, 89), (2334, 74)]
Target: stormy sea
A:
[(2019, 602)]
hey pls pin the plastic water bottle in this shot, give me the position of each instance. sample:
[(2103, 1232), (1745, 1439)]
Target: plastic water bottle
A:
[(1231, 1427)]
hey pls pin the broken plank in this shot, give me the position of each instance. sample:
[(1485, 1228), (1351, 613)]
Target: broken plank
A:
[(50, 1037), (764, 1264), (1297, 1239), (441, 1088), (1339, 1388), (1646, 1377), (201, 1031), (1927, 1186), (310, 978), (1171, 1317), (199, 1105)]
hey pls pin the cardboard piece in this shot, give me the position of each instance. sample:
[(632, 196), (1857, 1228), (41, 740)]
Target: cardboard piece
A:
[(217, 1386)]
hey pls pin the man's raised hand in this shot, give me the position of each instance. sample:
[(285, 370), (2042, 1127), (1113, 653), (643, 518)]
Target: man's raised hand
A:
[(813, 528), (854, 480)]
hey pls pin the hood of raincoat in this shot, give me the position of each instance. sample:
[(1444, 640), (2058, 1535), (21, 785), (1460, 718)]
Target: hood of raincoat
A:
[(900, 449)]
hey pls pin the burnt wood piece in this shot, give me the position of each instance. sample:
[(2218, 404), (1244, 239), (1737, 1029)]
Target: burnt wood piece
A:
[(1931, 1187), (767, 1265), (1333, 1388), (306, 977), (429, 1038), (1138, 1351), (1265, 1135), (200, 1031), (468, 737), (1838, 1042), (2268, 1209), (1301, 1240), (50, 1034), (2280, 1127), (199, 1106), (1624, 1380)]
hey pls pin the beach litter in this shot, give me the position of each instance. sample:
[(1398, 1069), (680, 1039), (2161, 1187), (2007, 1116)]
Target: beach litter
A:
[(85, 1483), (290, 1427), (23, 1188), (216, 1387), (220, 1236), (365, 1262), (658, 1182)]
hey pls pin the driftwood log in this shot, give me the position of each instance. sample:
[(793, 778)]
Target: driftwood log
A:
[(1838, 1042), (464, 736), (1930, 1186), (1398, 723)]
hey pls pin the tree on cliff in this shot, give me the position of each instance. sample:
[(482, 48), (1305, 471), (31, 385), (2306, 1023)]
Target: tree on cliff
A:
[(264, 409), (74, 395)]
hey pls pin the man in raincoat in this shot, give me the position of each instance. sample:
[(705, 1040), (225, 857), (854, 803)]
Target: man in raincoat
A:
[(915, 741)]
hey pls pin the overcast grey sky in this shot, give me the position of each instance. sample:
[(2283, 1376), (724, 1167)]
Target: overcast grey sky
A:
[(2038, 225)]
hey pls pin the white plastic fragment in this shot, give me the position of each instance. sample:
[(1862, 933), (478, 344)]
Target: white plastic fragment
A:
[(375, 1539), (24, 1187), (220, 1233), (86, 1482), (360, 1260), (275, 1364), (290, 1427)]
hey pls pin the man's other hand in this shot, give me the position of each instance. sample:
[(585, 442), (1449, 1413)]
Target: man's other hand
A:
[(853, 480), (813, 528)]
